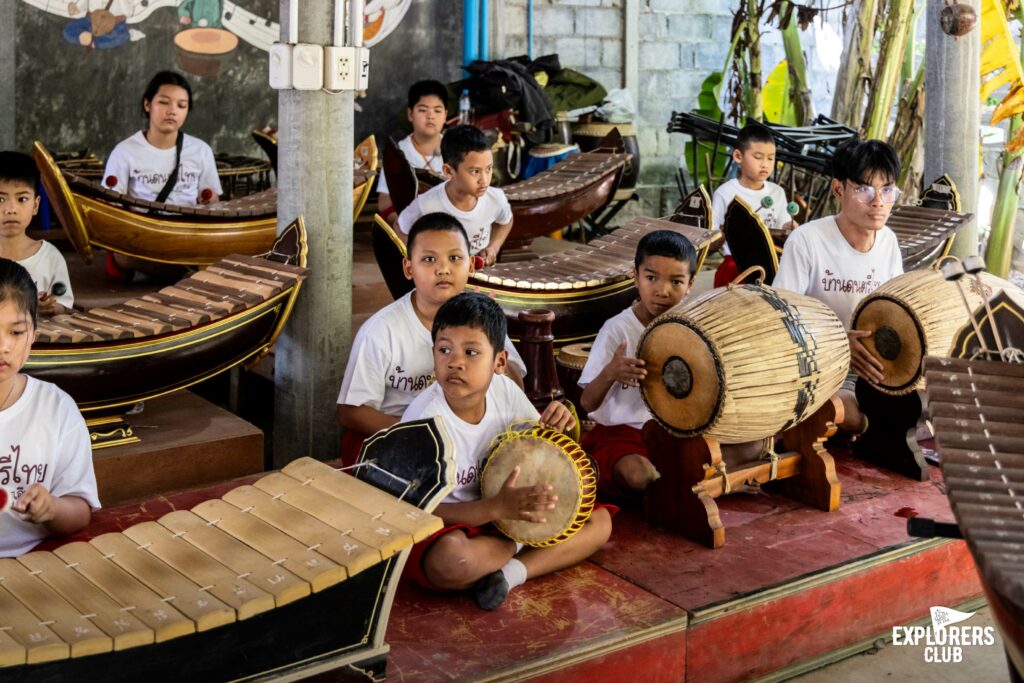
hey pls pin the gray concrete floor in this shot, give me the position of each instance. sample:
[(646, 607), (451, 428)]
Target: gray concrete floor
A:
[(896, 664)]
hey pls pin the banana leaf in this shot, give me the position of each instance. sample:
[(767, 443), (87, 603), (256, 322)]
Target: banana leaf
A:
[(776, 96), (707, 106)]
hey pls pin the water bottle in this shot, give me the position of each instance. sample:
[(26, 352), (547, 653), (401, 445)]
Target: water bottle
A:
[(464, 108)]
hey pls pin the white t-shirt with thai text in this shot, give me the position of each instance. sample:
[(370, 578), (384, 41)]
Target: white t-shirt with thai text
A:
[(141, 170), (491, 208), (774, 217), (415, 159), (506, 403), (623, 404), (392, 360), (43, 439), (819, 262), (48, 266)]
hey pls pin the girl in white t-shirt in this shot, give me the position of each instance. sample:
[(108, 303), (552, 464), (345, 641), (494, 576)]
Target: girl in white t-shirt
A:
[(162, 163), (47, 483)]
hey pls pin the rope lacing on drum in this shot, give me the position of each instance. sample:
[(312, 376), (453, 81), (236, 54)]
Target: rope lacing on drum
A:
[(773, 458), (722, 470)]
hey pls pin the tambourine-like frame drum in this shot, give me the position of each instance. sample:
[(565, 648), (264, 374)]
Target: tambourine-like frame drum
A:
[(741, 363), (544, 456), (918, 314)]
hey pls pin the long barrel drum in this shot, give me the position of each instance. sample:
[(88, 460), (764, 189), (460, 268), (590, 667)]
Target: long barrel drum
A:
[(742, 363), (919, 314)]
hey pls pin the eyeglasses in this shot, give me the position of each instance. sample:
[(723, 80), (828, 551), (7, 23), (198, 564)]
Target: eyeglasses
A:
[(866, 194)]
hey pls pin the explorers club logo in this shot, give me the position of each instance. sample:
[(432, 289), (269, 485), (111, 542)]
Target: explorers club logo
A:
[(944, 641)]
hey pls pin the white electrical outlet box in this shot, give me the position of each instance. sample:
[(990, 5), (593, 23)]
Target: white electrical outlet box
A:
[(340, 68), (280, 66), (362, 68), (307, 67)]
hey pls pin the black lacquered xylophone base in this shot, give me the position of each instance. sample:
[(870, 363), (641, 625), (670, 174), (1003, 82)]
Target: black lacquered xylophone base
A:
[(334, 629)]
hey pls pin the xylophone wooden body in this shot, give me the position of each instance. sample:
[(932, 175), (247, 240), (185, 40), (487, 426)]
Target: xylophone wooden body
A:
[(112, 357), (579, 285), (97, 218), (285, 578)]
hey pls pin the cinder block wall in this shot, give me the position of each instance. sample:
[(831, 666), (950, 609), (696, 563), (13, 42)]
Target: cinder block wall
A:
[(681, 42)]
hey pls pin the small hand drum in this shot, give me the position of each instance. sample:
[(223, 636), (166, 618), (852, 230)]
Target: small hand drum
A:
[(544, 456)]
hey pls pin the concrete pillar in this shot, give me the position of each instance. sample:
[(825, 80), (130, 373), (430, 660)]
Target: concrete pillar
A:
[(314, 176), (8, 51), (951, 115), (631, 50)]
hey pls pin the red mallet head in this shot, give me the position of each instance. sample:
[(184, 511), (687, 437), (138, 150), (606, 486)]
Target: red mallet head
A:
[(478, 262), (110, 181), (5, 500), (206, 194)]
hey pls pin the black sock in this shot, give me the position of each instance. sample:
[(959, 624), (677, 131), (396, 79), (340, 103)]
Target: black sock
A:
[(491, 591)]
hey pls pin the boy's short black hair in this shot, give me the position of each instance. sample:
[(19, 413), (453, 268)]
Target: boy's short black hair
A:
[(438, 221), (667, 243), (751, 133), (859, 160), (478, 311), (165, 78), (460, 141), (16, 167), (16, 285), (421, 89)]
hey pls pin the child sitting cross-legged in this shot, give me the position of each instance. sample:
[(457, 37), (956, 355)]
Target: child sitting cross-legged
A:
[(390, 362), (664, 265), (476, 402)]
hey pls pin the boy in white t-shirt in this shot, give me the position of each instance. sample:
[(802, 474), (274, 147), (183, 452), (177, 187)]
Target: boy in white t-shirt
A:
[(483, 210), (428, 110), (47, 483), (19, 202), (390, 362), (476, 403), (664, 267), (755, 157), (841, 259)]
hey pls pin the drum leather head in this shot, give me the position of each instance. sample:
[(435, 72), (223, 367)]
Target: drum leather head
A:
[(540, 462), (683, 388), (897, 340), (574, 355)]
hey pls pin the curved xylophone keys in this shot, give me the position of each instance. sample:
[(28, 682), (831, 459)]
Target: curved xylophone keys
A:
[(211, 576), (119, 624), (127, 591), (261, 570), (353, 551), (241, 300), (299, 558), (187, 597), (81, 635), (37, 642), (264, 287), (141, 326), (371, 500), (164, 309)]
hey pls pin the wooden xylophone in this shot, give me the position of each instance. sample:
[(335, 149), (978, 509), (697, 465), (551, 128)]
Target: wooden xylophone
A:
[(147, 346), (293, 572), (579, 285), (925, 234), (604, 261), (976, 406)]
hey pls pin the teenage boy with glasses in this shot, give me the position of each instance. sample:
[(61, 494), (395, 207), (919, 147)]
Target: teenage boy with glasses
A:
[(841, 259)]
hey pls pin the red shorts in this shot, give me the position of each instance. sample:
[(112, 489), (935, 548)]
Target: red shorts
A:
[(414, 566), (607, 445), (351, 446), (727, 272)]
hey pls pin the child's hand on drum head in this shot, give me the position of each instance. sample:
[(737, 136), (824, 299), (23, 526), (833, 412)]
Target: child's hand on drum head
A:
[(523, 502), (625, 370), (558, 417)]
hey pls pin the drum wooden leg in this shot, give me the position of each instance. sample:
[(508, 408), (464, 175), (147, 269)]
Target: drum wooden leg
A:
[(889, 441), (671, 501), (816, 484)]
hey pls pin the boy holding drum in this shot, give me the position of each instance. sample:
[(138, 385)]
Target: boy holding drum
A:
[(477, 402), (664, 268)]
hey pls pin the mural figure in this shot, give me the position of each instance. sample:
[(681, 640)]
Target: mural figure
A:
[(100, 24), (200, 13)]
